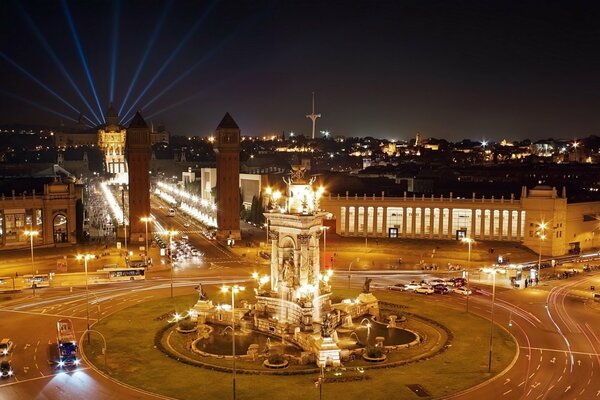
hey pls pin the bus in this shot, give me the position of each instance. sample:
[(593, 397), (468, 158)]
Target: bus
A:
[(7, 283), (124, 274), (38, 280), (67, 344)]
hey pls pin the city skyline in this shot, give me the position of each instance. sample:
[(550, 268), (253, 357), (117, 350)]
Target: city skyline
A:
[(446, 70)]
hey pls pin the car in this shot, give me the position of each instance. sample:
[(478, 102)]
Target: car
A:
[(6, 370), (187, 224), (441, 289), (412, 286), (399, 287), (6, 346), (463, 290), (424, 290), (456, 282), (435, 282)]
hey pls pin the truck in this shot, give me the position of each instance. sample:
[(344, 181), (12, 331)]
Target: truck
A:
[(67, 344)]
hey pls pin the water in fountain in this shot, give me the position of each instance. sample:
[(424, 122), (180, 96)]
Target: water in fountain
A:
[(366, 335), (219, 342)]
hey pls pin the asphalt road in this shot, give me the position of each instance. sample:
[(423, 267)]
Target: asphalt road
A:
[(556, 327)]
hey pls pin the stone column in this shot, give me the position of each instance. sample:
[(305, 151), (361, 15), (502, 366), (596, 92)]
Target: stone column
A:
[(431, 223), (450, 227), (276, 259), (384, 229), (305, 261)]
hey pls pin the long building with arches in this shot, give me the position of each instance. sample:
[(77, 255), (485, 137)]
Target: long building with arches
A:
[(540, 218)]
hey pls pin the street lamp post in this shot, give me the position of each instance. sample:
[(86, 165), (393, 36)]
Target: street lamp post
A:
[(234, 289), (469, 241), (31, 234), (492, 320), (171, 234), (145, 220), (542, 235), (85, 258)]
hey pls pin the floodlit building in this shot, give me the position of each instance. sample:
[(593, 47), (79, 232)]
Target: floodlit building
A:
[(50, 211), (540, 219)]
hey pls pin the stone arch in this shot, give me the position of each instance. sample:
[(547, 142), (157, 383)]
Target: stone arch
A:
[(60, 228)]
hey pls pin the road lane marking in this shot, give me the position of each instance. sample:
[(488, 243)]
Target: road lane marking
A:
[(503, 394), (45, 315), (563, 352)]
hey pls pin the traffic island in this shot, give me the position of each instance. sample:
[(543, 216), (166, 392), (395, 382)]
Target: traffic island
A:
[(135, 359)]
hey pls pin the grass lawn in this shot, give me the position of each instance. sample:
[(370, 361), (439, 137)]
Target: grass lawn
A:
[(133, 359)]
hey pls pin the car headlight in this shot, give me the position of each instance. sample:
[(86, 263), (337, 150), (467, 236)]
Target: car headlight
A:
[(10, 373), (61, 363), (77, 362), (4, 352)]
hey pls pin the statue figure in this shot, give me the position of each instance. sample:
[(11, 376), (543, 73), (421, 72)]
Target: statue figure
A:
[(326, 327), (201, 293), (367, 285)]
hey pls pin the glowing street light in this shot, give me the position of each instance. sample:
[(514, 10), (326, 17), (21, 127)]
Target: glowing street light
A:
[(233, 289), (85, 258), (31, 235), (542, 235)]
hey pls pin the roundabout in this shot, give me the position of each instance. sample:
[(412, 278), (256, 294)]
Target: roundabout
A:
[(148, 352)]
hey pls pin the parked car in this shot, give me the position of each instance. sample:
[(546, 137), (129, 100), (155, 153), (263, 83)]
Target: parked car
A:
[(424, 290), (435, 282), (456, 282), (441, 289), (6, 346), (463, 290), (399, 287), (6, 370), (412, 286)]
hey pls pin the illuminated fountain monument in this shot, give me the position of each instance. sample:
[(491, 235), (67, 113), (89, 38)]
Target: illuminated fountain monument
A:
[(294, 304), (299, 297)]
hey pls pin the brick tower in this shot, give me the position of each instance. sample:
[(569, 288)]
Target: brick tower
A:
[(227, 147), (138, 160)]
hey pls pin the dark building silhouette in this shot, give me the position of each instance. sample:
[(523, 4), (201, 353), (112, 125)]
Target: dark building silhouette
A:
[(138, 160), (227, 147)]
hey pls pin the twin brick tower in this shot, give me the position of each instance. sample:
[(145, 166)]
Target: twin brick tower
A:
[(227, 148)]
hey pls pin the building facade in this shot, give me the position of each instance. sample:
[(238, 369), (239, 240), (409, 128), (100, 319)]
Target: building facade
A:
[(51, 213), (540, 219)]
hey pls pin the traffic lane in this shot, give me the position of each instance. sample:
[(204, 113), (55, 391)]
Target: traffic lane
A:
[(77, 384), (34, 334), (210, 248)]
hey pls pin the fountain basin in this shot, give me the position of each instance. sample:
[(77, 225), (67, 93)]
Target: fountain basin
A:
[(218, 343)]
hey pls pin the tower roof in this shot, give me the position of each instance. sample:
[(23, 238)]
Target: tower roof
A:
[(228, 123), (138, 122)]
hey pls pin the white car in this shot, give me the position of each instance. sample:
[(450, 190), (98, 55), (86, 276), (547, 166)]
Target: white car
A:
[(424, 290), (463, 290), (437, 282), (399, 287), (412, 286)]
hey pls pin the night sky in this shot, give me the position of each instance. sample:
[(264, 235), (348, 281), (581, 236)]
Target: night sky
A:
[(447, 69)]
